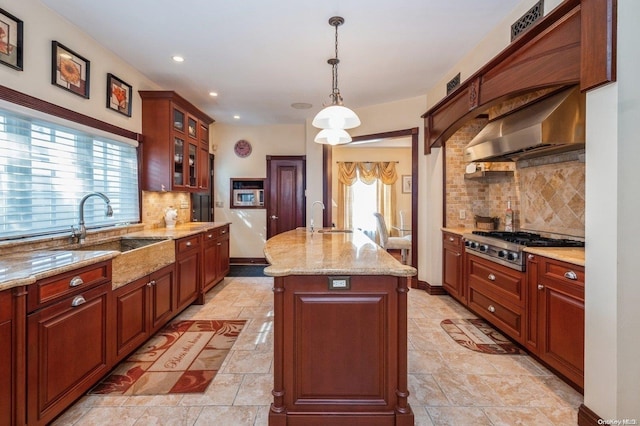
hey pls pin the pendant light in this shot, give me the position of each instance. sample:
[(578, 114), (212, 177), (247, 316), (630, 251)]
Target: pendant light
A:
[(333, 137), (336, 116)]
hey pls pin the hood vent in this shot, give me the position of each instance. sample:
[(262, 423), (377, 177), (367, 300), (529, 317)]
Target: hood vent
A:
[(552, 125)]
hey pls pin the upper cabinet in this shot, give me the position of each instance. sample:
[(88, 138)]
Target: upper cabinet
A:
[(175, 150)]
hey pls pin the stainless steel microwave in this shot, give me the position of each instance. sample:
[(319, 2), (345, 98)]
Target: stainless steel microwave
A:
[(248, 197)]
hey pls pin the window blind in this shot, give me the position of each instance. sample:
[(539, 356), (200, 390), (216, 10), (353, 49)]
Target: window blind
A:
[(46, 169)]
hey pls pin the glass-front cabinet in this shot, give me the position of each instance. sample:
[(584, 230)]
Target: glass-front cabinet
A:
[(175, 146)]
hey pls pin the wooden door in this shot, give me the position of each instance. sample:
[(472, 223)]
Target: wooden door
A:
[(284, 193)]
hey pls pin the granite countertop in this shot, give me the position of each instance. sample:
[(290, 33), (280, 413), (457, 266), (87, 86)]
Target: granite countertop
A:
[(27, 267), (300, 252)]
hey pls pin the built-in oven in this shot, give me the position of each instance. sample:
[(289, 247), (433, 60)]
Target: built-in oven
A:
[(248, 197)]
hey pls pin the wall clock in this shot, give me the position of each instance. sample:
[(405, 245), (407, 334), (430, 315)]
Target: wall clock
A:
[(242, 148)]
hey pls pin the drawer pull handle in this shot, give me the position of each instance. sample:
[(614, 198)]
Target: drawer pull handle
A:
[(540, 287), (491, 277), (531, 257), (151, 283), (570, 275), (451, 239), (219, 244), (224, 231), (210, 236), (78, 300), (188, 244), (75, 282), (491, 309)]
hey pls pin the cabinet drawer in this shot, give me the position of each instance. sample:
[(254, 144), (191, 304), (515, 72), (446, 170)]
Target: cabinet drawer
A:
[(184, 245), (501, 280), (507, 319), (562, 272), (212, 234), (452, 241), (49, 290)]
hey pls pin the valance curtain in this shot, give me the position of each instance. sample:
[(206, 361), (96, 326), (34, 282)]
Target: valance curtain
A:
[(381, 173)]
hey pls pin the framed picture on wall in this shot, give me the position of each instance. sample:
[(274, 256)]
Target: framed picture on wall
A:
[(10, 40), (406, 184), (69, 70), (119, 95)]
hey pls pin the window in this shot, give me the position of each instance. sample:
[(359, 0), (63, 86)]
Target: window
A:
[(363, 205), (46, 169)]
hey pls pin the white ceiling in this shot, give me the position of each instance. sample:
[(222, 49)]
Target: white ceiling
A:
[(263, 55)]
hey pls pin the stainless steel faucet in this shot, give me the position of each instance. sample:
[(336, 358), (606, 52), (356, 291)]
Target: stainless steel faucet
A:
[(80, 233), (312, 206)]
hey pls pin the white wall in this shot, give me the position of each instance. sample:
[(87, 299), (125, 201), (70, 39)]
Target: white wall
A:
[(249, 226), (41, 27), (612, 371)]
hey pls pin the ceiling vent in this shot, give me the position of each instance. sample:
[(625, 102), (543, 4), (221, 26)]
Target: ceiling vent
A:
[(453, 83), (522, 25)]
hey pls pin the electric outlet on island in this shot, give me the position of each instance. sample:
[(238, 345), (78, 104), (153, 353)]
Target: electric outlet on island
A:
[(462, 214)]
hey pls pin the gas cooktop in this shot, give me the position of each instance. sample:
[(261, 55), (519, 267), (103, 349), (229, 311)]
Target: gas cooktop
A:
[(530, 239)]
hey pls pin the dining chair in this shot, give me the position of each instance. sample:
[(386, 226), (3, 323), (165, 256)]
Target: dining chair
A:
[(394, 243)]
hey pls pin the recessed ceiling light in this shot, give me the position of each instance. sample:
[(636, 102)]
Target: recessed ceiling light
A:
[(237, 117), (301, 105), (177, 58), (214, 94)]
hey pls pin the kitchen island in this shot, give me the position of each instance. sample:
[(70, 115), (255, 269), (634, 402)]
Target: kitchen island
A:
[(340, 330)]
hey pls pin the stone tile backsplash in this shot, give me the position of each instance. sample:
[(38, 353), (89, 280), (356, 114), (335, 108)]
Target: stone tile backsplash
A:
[(547, 194), (154, 204)]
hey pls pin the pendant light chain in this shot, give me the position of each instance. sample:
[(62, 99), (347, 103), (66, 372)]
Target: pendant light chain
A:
[(337, 99)]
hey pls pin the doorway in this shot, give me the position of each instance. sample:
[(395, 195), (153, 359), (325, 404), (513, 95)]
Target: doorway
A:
[(284, 193), (328, 196)]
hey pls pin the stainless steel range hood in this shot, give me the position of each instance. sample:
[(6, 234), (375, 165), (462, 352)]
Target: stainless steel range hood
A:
[(554, 124)]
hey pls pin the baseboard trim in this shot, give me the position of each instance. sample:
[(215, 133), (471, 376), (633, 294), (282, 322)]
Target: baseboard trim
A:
[(434, 290), (248, 261), (586, 417)]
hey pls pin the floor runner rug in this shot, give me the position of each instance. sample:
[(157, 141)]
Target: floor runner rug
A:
[(183, 357), (477, 335)]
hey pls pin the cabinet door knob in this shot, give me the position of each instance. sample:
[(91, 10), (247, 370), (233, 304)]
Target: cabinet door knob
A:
[(570, 275), (224, 231), (491, 309), (540, 287), (210, 236), (151, 283), (451, 239), (531, 257), (274, 217), (77, 301), (219, 244), (188, 244), (76, 281), (491, 277)]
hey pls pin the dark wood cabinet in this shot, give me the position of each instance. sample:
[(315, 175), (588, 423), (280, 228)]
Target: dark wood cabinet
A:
[(557, 292), (497, 293), (175, 150), (67, 338), (188, 255), (141, 308), (215, 257), (9, 352), (452, 266)]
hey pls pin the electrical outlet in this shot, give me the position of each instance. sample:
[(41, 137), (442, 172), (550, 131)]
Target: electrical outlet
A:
[(220, 204), (462, 214)]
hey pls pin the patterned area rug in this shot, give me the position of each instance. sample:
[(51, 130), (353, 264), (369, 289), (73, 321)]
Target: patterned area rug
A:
[(477, 335), (183, 357)]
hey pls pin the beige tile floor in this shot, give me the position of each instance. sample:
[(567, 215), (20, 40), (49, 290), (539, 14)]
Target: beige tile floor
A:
[(449, 385)]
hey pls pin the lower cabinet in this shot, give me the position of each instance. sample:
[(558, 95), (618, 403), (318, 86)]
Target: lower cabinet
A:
[(215, 257), (188, 255), (556, 291), (67, 339), (497, 293), (141, 308), (9, 358), (452, 266)]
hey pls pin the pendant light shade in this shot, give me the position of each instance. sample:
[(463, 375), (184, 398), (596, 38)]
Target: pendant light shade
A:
[(332, 137), (335, 117)]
